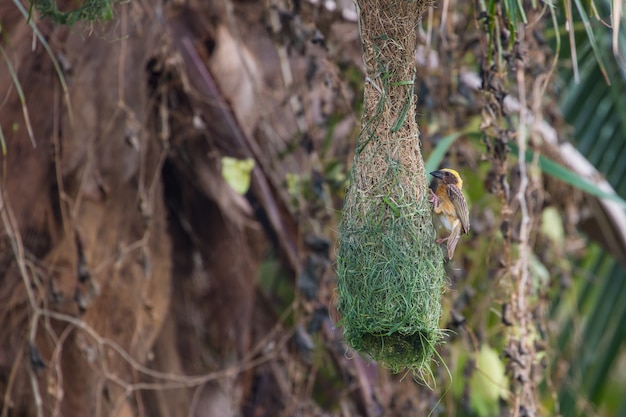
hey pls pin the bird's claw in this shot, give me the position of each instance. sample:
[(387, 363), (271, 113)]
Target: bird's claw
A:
[(433, 198)]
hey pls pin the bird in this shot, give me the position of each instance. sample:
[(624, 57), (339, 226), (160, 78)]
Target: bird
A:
[(450, 207)]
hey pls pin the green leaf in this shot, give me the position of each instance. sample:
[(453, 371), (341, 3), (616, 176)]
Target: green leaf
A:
[(592, 38), (236, 172), (546, 165), (558, 171), (294, 185), (436, 156), (440, 150), (552, 225), (488, 383)]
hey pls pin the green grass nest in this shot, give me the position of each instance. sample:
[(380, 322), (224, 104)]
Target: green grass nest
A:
[(390, 278)]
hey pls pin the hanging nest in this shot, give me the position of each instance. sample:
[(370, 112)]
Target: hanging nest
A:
[(390, 270)]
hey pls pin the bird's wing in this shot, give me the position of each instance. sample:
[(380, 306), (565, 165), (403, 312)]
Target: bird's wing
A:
[(452, 241), (460, 206)]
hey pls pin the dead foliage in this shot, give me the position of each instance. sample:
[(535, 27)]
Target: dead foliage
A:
[(137, 282)]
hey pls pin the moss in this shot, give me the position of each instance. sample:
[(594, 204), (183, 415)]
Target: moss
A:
[(89, 10)]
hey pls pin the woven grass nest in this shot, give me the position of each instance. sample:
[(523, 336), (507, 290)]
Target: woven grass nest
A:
[(390, 270)]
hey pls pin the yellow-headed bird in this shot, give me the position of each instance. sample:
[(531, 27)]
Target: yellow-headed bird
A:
[(450, 207)]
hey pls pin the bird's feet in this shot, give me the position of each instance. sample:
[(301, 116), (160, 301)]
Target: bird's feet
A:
[(433, 198)]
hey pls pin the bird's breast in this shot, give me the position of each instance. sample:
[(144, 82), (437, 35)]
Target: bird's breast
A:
[(447, 221)]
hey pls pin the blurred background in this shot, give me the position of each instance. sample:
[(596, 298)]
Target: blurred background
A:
[(172, 182)]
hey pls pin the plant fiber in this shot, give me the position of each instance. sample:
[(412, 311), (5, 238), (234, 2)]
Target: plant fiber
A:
[(390, 270)]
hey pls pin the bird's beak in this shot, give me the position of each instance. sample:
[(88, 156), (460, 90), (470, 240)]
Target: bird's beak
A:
[(437, 174)]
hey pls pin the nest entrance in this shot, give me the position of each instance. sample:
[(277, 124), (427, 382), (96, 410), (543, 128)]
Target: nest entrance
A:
[(390, 270)]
